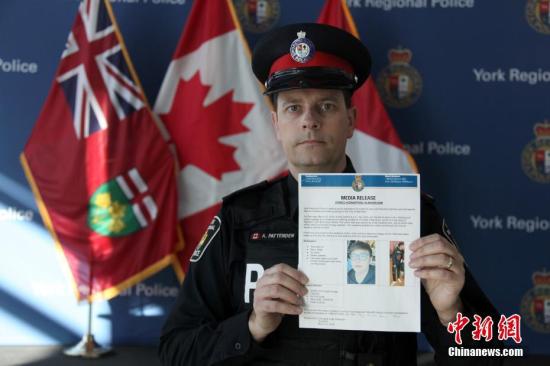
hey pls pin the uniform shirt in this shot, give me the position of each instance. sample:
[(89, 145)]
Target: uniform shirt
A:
[(256, 228)]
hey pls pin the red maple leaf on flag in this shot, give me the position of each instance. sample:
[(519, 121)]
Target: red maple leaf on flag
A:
[(199, 140)]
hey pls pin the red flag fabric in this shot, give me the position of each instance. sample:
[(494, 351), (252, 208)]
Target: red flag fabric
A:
[(102, 174), (217, 117), (375, 146)]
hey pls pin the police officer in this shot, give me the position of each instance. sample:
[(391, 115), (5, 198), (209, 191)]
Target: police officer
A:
[(240, 300)]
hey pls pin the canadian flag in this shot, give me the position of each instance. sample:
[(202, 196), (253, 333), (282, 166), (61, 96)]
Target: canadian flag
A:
[(375, 146), (217, 117)]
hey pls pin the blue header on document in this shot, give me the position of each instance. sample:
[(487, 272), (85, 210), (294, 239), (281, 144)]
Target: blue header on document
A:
[(366, 180)]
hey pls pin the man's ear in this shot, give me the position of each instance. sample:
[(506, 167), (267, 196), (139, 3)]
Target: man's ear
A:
[(352, 119), (275, 123)]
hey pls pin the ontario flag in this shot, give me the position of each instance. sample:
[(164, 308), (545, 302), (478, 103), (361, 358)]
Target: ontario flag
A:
[(216, 115), (375, 145), (101, 172)]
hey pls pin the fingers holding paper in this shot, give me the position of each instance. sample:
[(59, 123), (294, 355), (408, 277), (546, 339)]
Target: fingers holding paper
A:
[(278, 292), (440, 266)]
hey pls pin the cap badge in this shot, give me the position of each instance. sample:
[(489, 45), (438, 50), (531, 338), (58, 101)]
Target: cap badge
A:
[(302, 49)]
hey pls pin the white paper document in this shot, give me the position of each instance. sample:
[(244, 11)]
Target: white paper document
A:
[(354, 237)]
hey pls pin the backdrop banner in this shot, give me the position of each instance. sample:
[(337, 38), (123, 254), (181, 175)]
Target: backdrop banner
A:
[(464, 82)]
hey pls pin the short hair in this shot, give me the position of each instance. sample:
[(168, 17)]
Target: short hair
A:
[(347, 98), (358, 244)]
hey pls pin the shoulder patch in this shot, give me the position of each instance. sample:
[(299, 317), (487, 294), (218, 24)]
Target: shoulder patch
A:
[(209, 235)]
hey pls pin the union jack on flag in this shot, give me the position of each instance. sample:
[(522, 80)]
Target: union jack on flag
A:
[(93, 60)]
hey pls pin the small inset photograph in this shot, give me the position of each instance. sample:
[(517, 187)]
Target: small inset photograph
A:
[(397, 263), (361, 262)]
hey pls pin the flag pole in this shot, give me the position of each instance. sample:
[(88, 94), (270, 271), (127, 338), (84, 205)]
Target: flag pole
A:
[(88, 347)]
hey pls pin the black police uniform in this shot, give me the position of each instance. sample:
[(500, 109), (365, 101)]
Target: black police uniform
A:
[(259, 227)]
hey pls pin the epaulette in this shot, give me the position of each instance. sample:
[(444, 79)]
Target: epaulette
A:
[(252, 188), (428, 198), (255, 187)]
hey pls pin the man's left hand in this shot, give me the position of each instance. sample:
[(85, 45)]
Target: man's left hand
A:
[(440, 266)]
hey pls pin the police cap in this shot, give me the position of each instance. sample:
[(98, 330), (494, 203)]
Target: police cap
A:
[(310, 55)]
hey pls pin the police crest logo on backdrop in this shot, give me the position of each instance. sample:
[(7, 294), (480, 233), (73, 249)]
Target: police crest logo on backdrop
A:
[(258, 16), (537, 13), (535, 158), (399, 83), (535, 304)]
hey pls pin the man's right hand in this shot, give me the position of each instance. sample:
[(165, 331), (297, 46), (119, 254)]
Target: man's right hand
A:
[(279, 291)]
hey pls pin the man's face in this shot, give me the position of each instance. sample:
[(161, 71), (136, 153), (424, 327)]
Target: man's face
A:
[(360, 260), (313, 126)]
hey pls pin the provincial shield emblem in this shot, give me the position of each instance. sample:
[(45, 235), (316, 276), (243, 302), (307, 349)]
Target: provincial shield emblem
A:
[(121, 206)]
